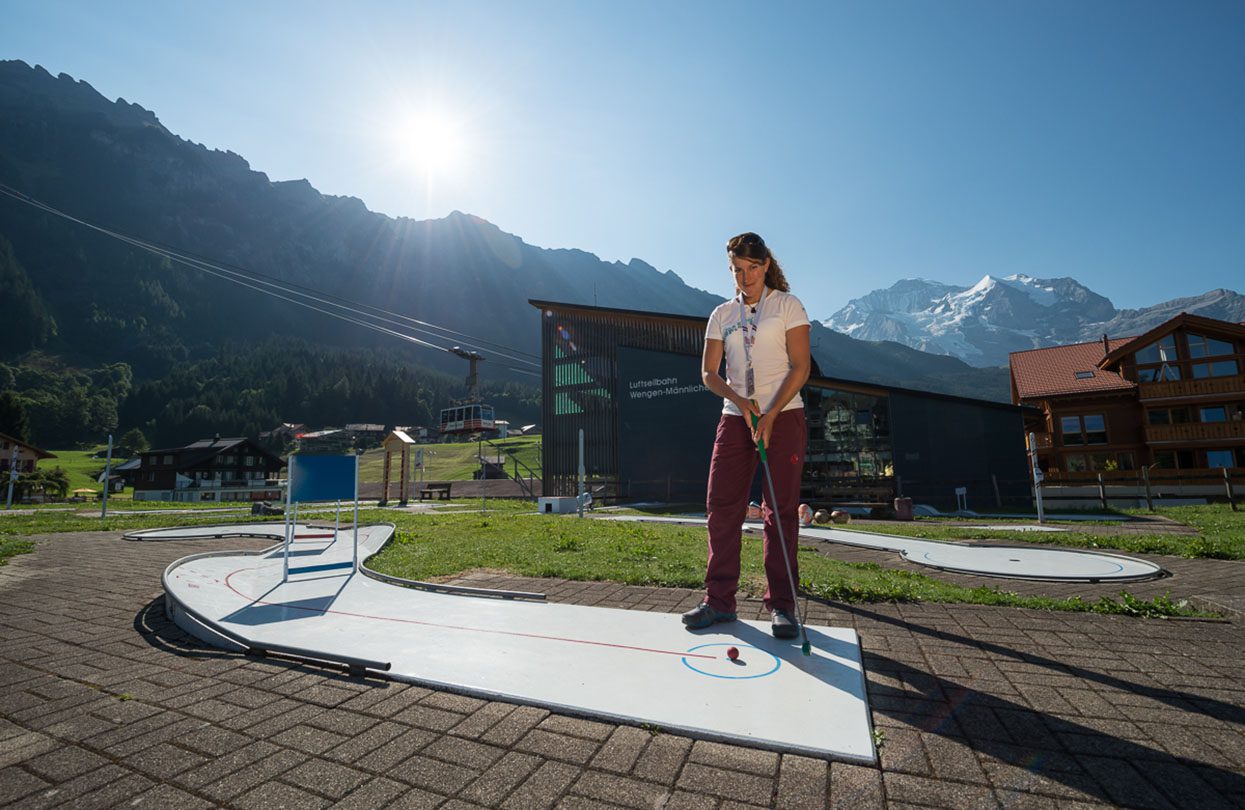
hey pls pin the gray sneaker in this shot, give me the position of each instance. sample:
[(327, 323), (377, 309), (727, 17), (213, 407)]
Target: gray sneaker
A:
[(704, 615), (782, 624)]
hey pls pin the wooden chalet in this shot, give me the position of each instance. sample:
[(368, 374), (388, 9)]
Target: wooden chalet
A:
[(230, 469), (1172, 399), (23, 455)]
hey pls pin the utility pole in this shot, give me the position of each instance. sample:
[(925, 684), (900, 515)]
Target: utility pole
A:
[(1037, 477), (103, 512), (12, 476), (582, 474)]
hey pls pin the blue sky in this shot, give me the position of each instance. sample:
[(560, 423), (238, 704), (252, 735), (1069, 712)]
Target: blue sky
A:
[(866, 141)]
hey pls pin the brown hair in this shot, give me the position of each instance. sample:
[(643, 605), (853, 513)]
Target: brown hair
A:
[(750, 246)]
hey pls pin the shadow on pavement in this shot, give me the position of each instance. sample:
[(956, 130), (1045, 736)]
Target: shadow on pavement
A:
[(156, 629), (1047, 746)]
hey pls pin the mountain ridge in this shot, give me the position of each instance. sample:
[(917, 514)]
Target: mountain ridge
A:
[(982, 323)]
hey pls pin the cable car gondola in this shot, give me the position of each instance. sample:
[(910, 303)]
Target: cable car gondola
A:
[(474, 417)]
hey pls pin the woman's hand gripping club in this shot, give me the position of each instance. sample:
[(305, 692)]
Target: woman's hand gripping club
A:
[(806, 648)]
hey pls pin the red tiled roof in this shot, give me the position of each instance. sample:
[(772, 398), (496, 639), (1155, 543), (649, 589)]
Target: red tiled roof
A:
[(1052, 371)]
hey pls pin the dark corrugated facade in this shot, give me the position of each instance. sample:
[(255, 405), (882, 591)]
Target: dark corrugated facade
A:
[(648, 436)]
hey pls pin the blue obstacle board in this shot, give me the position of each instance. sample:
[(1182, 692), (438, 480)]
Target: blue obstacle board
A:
[(323, 478)]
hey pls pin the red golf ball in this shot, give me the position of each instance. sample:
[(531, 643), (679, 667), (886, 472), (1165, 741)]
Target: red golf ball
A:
[(732, 653)]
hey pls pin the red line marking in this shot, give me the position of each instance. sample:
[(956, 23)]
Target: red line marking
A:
[(229, 585), (305, 536)]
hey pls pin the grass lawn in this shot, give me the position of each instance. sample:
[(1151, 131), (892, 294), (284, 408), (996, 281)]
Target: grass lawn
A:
[(12, 546), (442, 546), (1222, 533), (509, 536), (49, 522)]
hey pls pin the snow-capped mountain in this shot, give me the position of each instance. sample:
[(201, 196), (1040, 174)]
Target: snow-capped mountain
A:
[(982, 323)]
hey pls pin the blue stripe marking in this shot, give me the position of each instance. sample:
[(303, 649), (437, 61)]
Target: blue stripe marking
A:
[(326, 567)]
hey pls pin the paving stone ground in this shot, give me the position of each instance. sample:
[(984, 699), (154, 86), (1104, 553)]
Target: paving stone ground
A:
[(104, 703)]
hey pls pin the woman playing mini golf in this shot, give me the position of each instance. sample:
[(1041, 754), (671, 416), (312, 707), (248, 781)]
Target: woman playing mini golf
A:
[(763, 335)]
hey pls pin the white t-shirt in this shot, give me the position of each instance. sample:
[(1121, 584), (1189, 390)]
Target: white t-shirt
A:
[(780, 312)]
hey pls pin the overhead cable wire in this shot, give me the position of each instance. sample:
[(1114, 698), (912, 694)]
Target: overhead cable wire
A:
[(252, 276), (258, 282)]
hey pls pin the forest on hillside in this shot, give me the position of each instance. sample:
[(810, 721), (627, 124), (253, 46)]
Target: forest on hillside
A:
[(241, 390)]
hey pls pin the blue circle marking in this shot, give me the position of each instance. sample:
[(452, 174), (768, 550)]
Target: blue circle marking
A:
[(692, 667)]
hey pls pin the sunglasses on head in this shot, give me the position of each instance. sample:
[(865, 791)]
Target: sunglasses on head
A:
[(747, 246), (745, 240)]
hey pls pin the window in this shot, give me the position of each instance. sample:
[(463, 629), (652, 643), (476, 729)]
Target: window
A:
[(1218, 458), (1168, 416), (250, 461), (1219, 368), (1089, 429), (1075, 463), (1216, 413), (1084, 375), (1165, 459), (167, 460), (1162, 373), (1095, 429), (1125, 460), (1161, 351), (1202, 346)]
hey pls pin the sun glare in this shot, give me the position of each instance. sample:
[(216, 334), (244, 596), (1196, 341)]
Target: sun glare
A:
[(430, 141)]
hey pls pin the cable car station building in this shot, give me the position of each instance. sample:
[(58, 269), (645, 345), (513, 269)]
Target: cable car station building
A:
[(631, 381)]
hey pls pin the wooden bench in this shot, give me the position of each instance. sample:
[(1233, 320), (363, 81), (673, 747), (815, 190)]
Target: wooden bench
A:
[(442, 491)]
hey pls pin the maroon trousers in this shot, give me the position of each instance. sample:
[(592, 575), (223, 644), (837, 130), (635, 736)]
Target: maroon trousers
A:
[(731, 471)]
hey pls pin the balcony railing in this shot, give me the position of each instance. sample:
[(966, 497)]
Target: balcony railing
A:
[(1195, 432), (232, 483), (1210, 386), (1159, 477)]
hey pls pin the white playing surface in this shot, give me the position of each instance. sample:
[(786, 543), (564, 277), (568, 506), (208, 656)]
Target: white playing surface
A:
[(628, 666), (1012, 561)]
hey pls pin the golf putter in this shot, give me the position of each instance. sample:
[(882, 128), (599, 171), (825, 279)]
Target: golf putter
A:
[(805, 648)]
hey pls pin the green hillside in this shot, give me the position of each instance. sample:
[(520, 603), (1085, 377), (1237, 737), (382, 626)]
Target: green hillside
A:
[(457, 461), (82, 467)]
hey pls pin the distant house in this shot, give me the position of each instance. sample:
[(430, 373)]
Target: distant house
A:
[(28, 456), (328, 441), (418, 432), (128, 471), (1172, 398), (231, 469)]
